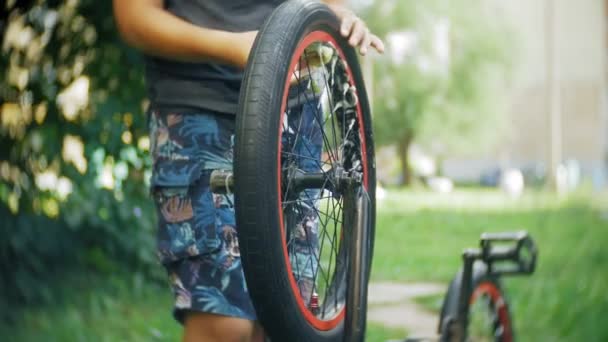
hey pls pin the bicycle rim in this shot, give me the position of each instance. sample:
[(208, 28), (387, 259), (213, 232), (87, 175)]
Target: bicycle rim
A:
[(489, 318), (321, 133)]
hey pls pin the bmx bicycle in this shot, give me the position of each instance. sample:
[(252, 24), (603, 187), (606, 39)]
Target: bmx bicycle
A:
[(475, 307), (304, 179)]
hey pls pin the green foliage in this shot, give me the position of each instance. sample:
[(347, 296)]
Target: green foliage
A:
[(112, 308), (73, 192), (445, 89)]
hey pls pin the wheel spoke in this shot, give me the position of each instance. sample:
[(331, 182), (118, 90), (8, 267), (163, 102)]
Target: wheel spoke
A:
[(316, 118)]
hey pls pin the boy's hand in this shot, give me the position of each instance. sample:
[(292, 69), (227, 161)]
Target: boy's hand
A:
[(352, 28), (355, 30)]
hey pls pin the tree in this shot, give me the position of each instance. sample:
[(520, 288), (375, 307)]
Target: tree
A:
[(441, 80)]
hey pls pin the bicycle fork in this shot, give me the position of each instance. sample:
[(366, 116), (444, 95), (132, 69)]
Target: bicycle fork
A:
[(357, 205)]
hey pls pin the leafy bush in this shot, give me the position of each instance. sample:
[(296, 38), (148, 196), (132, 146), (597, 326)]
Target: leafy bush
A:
[(73, 145)]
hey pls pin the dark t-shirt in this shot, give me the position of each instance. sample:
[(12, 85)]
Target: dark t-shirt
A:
[(183, 86)]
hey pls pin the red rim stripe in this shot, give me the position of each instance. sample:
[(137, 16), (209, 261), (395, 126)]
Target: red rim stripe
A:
[(315, 36), (499, 302)]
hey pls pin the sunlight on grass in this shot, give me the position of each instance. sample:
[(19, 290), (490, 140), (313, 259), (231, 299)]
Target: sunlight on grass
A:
[(431, 303), (378, 333), (477, 200)]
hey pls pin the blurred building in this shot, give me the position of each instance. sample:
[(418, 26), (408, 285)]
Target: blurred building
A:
[(558, 94)]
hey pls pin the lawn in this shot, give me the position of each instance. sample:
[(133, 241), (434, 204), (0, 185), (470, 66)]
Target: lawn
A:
[(113, 312), (419, 237)]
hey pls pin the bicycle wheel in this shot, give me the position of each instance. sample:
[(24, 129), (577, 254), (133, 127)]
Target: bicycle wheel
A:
[(304, 172), (488, 317)]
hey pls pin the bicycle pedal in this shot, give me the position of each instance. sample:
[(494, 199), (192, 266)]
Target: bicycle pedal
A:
[(508, 253)]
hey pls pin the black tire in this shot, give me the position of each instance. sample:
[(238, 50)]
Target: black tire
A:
[(265, 219), (489, 316)]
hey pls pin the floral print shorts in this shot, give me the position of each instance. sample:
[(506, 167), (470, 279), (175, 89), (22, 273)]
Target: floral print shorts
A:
[(197, 235)]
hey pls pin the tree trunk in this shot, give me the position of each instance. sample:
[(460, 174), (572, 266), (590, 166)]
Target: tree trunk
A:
[(440, 158), (403, 148)]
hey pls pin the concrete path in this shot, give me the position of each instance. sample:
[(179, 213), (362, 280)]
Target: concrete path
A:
[(392, 305)]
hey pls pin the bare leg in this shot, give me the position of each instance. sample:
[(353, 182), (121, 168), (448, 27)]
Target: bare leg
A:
[(258, 333), (204, 327)]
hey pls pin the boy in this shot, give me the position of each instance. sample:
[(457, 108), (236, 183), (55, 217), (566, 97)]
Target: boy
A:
[(195, 53)]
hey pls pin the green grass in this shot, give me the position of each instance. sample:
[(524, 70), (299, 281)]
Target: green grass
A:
[(431, 303), (113, 310), (378, 333), (420, 237), (105, 310)]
